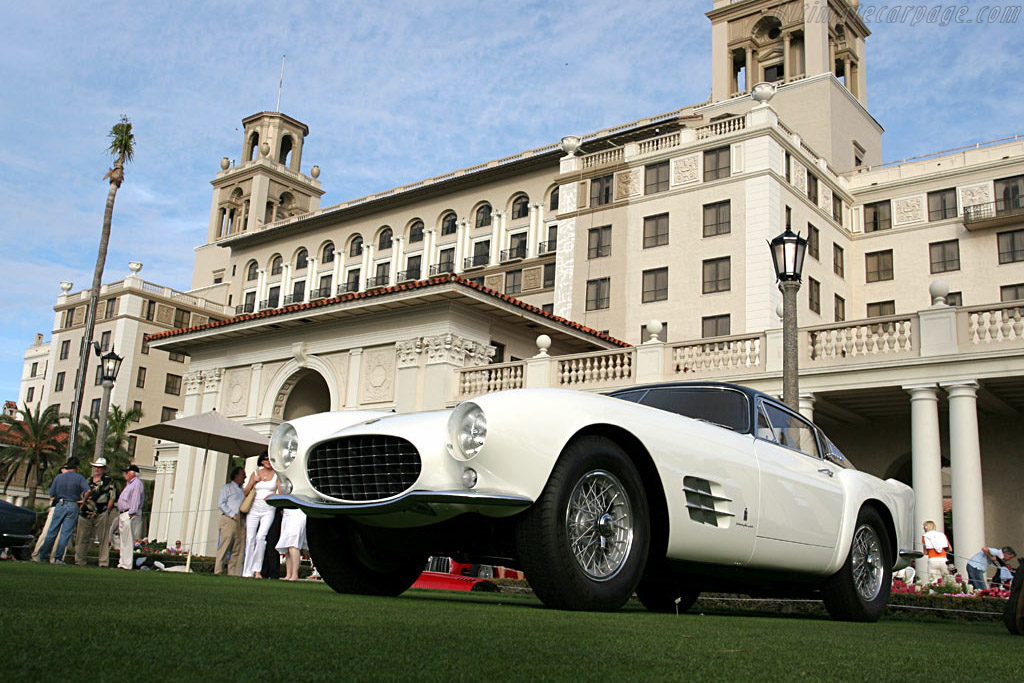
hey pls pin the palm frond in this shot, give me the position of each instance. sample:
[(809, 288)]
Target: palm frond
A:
[(122, 140)]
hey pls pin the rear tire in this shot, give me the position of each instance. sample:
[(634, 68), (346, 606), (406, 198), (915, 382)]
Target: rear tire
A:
[(349, 562), (584, 543), (860, 590)]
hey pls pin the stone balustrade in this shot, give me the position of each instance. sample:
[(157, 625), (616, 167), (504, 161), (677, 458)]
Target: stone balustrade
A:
[(857, 341), (719, 357)]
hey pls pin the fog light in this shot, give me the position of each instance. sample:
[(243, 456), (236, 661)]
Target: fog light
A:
[(469, 477), (286, 484)]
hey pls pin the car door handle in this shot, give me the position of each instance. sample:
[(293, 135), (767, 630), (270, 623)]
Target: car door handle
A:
[(825, 470)]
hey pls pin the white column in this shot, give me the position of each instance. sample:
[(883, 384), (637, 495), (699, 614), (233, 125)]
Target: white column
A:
[(396, 259), (261, 287), (531, 232), (807, 406), (497, 219), (336, 274), (355, 358), (428, 252), (965, 462), (926, 463), (286, 282), (786, 69), (310, 277), (368, 270), (461, 231)]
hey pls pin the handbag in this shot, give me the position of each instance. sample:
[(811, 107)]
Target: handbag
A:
[(247, 503)]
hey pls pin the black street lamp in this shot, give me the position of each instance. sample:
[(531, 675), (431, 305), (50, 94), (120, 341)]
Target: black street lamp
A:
[(788, 250), (110, 363)]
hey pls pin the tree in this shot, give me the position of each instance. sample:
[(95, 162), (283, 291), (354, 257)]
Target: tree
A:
[(31, 445), (122, 148), (116, 448)]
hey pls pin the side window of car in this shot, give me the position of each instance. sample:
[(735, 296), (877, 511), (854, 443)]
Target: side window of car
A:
[(764, 427), (793, 431), (631, 396), (724, 408)]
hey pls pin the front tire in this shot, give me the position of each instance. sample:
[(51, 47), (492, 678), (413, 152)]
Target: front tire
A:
[(659, 594), (349, 562), (860, 590), (584, 543)]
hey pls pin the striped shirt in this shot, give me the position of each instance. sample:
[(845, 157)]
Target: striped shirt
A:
[(131, 498)]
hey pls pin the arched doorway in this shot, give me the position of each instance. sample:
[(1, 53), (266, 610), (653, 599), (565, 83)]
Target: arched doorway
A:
[(310, 394)]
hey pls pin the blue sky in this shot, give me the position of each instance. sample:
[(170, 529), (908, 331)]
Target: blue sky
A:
[(392, 92)]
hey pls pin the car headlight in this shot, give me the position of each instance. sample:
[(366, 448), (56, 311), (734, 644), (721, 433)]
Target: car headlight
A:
[(284, 446), (467, 431)]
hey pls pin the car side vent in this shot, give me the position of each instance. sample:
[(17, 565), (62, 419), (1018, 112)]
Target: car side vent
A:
[(363, 468), (704, 506)]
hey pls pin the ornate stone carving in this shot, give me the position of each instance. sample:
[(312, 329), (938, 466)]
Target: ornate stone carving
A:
[(212, 378), (532, 278), (236, 395), (300, 355), (165, 314), (284, 392), (409, 351), (78, 317), (377, 375), (495, 282), (479, 354), (564, 267), (799, 175), (908, 210), (629, 183), (825, 198), (193, 382), (567, 195), (972, 195), (685, 169)]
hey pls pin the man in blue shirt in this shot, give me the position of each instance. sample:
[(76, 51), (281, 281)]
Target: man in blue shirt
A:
[(68, 490), (232, 531)]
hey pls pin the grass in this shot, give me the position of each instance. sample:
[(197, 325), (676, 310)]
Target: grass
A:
[(75, 623)]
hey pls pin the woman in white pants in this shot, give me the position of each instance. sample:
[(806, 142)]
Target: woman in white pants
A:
[(260, 517)]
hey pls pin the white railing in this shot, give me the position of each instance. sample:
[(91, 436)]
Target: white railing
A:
[(581, 371), (841, 342), (994, 324), (608, 156), (722, 127), (722, 356), (488, 378), (657, 144)]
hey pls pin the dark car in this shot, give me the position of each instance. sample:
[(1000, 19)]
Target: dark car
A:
[(16, 529)]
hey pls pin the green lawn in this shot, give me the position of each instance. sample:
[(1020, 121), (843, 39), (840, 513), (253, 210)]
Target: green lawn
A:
[(70, 623)]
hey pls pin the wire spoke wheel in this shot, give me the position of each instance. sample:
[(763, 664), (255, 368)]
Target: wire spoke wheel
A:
[(866, 556), (599, 524)]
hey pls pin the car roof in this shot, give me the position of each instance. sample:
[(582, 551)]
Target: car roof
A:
[(751, 393)]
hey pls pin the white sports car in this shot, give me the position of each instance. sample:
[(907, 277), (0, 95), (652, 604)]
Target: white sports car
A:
[(666, 490)]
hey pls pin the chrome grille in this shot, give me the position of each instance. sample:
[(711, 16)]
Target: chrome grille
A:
[(362, 468)]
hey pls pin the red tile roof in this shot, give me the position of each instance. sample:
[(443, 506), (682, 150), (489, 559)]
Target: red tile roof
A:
[(419, 284)]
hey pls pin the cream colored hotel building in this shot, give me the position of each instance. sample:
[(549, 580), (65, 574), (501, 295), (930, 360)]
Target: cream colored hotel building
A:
[(911, 341)]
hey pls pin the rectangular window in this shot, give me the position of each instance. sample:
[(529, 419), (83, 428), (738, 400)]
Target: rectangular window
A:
[(655, 285), (814, 295), (955, 299), (714, 326), (352, 280), (601, 190), (837, 209), (298, 292), (132, 444), (325, 285), (548, 308), (1011, 292), (717, 275), (598, 293), (99, 375), (176, 357), (412, 267), (880, 308), (35, 369), (942, 204), (382, 272), (716, 219), (111, 308), (878, 265), (840, 309), (655, 231), (788, 167), (1011, 246), (137, 407), (812, 188), (65, 349), (549, 275), (716, 164), (94, 409), (813, 242), (58, 383), (599, 242), (30, 394), (105, 341), (877, 216), (150, 310), (645, 336), (517, 245), (167, 413), (181, 317), (140, 378), (514, 281), (945, 256), (145, 347), (838, 266), (172, 385), (1009, 195), (656, 178)]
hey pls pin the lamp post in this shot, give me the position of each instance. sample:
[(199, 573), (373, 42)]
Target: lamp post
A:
[(110, 363), (788, 251)]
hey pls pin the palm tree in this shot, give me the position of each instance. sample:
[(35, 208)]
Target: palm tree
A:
[(115, 450), (122, 148), (31, 445)]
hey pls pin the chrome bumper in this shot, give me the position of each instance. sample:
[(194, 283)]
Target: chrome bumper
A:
[(410, 502)]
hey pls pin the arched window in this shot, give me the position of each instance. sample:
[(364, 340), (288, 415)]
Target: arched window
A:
[(520, 207), (483, 216), (416, 232), (276, 265), (328, 253), (449, 223), (252, 271), (301, 259), (384, 241), (356, 248), (252, 149), (286, 149), (553, 202)]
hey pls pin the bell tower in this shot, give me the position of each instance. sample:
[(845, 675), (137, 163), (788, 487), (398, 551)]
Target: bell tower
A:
[(783, 41)]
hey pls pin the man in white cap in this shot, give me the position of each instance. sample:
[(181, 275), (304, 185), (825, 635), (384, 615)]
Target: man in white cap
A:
[(96, 517)]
